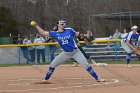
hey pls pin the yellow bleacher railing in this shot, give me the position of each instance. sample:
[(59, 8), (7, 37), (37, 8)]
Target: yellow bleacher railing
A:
[(54, 43)]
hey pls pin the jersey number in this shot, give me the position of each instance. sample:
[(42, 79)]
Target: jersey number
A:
[(64, 42)]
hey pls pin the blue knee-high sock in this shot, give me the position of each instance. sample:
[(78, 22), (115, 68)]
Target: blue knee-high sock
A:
[(49, 73), (128, 58), (92, 72)]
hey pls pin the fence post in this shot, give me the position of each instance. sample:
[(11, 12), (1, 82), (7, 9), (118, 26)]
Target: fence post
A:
[(18, 55), (116, 51), (47, 54)]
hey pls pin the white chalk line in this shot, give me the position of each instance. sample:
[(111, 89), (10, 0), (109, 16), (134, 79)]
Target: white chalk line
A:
[(76, 85)]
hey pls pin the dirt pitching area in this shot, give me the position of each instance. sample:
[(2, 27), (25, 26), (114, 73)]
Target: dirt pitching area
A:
[(69, 79)]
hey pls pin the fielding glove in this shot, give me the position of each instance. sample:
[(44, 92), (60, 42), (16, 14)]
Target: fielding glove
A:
[(138, 51)]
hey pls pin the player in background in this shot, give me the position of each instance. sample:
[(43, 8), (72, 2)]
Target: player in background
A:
[(84, 53), (89, 38), (129, 43), (65, 37)]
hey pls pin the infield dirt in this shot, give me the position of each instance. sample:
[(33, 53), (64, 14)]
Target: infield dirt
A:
[(68, 79)]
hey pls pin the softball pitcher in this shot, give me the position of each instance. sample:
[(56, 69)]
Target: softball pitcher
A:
[(65, 37), (129, 43)]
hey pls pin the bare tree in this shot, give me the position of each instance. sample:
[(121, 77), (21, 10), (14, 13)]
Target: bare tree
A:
[(75, 12)]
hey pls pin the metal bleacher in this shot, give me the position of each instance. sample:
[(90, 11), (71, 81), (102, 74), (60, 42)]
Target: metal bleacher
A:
[(101, 52)]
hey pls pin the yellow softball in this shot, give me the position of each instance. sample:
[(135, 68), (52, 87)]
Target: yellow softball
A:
[(33, 23)]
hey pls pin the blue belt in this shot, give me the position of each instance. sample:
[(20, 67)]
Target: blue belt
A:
[(70, 50)]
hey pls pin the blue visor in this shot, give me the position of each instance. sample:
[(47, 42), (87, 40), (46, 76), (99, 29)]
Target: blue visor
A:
[(61, 22)]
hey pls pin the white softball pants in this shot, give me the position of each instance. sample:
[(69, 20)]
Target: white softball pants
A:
[(76, 55), (126, 47)]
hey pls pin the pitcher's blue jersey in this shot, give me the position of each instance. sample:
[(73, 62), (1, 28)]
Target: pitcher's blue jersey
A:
[(131, 37), (65, 39)]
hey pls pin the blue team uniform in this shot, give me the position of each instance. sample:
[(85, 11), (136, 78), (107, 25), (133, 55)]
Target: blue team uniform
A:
[(131, 37), (70, 50), (65, 39), (67, 42)]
